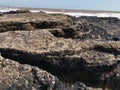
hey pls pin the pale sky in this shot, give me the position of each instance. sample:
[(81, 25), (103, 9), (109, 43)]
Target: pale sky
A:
[(109, 5)]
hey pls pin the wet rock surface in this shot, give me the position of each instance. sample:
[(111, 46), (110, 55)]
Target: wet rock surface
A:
[(80, 53)]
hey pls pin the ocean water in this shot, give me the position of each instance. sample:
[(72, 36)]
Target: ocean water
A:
[(77, 14)]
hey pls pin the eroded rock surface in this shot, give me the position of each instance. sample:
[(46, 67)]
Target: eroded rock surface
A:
[(73, 50), (25, 77)]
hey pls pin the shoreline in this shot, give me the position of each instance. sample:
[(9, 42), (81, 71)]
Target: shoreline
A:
[(65, 10)]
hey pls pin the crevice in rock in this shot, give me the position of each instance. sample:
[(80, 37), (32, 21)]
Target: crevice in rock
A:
[(91, 28), (66, 68), (11, 26), (103, 49), (65, 33), (43, 86), (25, 26), (83, 32), (46, 24), (80, 31)]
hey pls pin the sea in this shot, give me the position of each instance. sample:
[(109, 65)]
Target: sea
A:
[(76, 13)]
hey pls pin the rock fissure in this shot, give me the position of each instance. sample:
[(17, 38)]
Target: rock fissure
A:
[(18, 26)]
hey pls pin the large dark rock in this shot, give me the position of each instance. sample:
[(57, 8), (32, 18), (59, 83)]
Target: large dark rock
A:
[(110, 26)]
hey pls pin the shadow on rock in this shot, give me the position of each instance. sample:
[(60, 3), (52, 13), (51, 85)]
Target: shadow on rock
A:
[(67, 69)]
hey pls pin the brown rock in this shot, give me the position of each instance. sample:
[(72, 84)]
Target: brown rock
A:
[(24, 77), (31, 39)]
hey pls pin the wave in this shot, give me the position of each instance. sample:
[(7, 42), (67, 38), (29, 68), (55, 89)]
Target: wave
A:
[(78, 14), (7, 9)]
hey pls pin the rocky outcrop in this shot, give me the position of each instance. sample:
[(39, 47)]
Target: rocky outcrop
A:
[(31, 21), (84, 29), (69, 60), (73, 50), (25, 77), (108, 25), (81, 28), (21, 77)]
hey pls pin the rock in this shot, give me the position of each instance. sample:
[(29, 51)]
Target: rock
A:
[(16, 76), (30, 21), (81, 28), (116, 37), (75, 50), (64, 58), (17, 12), (82, 31), (105, 27), (42, 12), (25, 77), (1, 14)]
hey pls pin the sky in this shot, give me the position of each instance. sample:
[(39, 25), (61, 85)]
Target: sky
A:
[(109, 5)]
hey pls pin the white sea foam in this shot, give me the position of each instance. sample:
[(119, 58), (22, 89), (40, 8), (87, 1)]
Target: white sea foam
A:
[(117, 15), (34, 11), (7, 9), (78, 14)]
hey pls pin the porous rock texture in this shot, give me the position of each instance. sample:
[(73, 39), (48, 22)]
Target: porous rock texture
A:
[(15, 76), (80, 53)]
